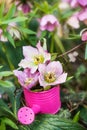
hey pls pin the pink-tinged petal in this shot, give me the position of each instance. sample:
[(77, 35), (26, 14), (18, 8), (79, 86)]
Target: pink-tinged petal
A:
[(29, 51), (82, 2), (24, 63), (43, 47), (48, 22), (61, 78), (51, 74), (55, 67), (26, 79), (74, 3), (42, 68), (48, 18), (73, 22), (21, 76), (83, 15), (50, 27), (84, 36)]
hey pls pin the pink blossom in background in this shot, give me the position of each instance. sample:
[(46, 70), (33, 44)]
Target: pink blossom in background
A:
[(83, 15), (51, 74), (26, 79), (82, 2), (73, 21), (33, 57), (48, 22), (83, 34), (26, 8)]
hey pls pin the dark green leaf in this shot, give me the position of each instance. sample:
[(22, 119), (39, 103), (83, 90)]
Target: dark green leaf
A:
[(9, 122), (53, 122), (11, 40)]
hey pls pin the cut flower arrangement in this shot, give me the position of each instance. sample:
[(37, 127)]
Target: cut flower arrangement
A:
[(40, 78), (38, 72)]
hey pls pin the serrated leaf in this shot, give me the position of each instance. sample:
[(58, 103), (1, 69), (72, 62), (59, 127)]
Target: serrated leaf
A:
[(53, 122), (9, 122), (6, 73)]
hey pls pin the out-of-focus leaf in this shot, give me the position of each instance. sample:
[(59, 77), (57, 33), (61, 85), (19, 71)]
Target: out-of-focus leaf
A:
[(64, 113), (86, 52), (9, 122), (53, 122), (59, 43), (76, 117), (83, 114), (1, 10), (5, 111), (2, 126), (6, 73), (11, 40), (27, 31), (11, 12), (17, 19)]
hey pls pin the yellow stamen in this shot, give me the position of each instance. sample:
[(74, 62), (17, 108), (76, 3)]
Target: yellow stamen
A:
[(28, 81), (38, 59), (50, 77)]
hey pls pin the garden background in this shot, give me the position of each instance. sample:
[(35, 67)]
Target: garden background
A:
[(20, 25)]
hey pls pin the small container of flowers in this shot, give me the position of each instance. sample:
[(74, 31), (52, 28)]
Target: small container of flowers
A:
[(40, 78)]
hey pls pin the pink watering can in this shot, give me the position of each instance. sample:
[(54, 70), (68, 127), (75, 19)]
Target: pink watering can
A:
[(46, 102)]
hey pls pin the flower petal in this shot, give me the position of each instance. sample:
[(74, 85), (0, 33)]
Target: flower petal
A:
[(29, 52)]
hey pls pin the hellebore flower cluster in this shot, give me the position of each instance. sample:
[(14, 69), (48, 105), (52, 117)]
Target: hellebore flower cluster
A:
[(38, 69)]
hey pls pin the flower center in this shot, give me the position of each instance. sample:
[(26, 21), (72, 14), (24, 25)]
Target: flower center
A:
[(38, 59), (50, 77), (28, 81)]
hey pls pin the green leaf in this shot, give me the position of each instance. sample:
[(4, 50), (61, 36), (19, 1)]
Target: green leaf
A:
[(86, 52), (28, 31), (1, 66), (11, 12), (6, 84), (59, 43), (5, 111), (83, 114), (9, 122), (17, 19), (53, 122), (11, 40), (2, 126), (6, 73), (76, 117), (1, 10)]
